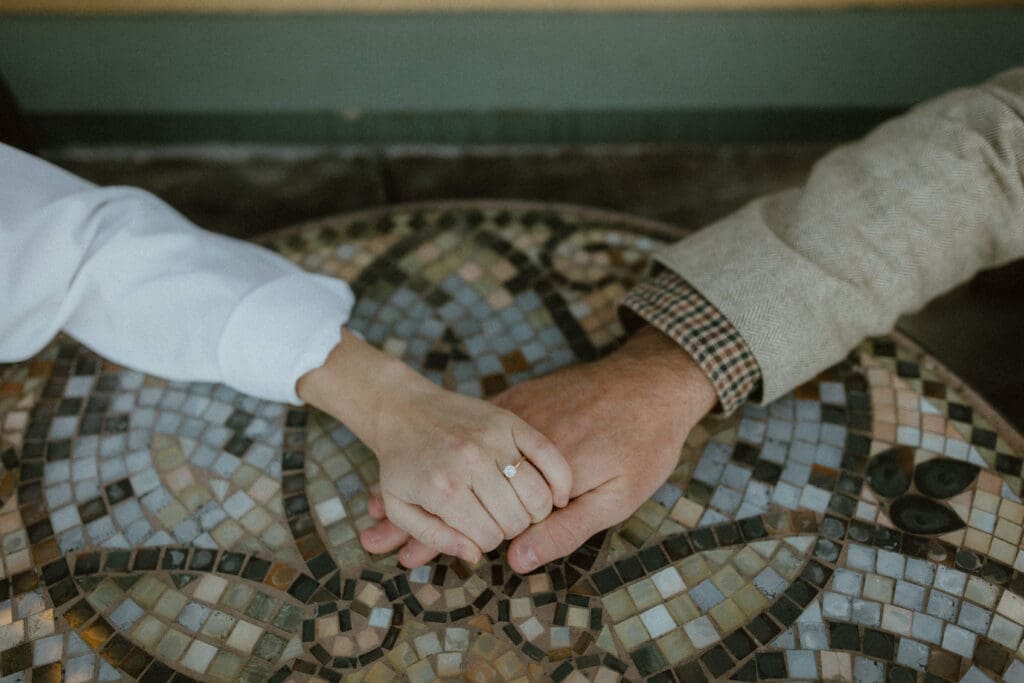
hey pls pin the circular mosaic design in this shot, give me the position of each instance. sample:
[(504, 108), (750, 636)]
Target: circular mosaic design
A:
[(867, 526)]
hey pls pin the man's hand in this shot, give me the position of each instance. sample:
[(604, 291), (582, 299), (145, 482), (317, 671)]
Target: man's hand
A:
[(621, 423), (441, 454)]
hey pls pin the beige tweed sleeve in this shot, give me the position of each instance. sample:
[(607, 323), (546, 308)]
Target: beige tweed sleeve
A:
[(882, 226)]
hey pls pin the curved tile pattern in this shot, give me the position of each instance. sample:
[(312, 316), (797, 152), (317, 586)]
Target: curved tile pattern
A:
[(866, 527)]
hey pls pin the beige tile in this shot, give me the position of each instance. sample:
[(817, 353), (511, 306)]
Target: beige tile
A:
[(170, 604), (878, 588)]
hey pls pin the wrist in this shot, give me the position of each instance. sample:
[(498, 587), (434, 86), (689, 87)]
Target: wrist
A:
[(666, 368), (360, 386)]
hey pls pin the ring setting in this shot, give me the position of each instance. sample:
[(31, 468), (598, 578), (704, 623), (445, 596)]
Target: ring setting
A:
[(511, 471)]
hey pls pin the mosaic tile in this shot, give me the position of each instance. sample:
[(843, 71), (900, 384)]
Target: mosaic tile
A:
[(865, 527)]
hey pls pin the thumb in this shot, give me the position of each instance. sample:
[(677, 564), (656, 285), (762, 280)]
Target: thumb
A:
[(565, 530)]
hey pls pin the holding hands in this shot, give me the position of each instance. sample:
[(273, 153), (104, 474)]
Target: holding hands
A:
[(445, 458), (621, 421)]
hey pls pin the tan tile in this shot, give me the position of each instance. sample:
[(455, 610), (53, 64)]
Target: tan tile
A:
[(1011, 606), (982, 592), (675, 646), (1008, 531), (225, 666), (693, 569), (237, 596), (683, 609), (521, 608), (510, 665), (728, 580), (169, 605), (991, 485), (836, 666), (750, 600), (148, 631), (210, 588), (1003, 551), (748, 562), (402, 656), (644, 594), (172, 645), (105, 595), (687, 512), (878, 588), (539, 583), (1011, 511), (631, 632), (977, 540), (727, 616)]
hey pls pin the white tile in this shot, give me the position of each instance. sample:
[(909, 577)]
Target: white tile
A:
[(47, 650), (199, 655), (330, 511), (658, 621), (959, 640), (668, 582), (701, 632)]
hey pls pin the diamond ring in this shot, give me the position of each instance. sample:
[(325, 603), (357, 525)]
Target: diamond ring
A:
[(511, 470)]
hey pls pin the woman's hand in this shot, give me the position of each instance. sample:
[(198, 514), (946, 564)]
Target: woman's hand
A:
[(441, 454), (621, 421)]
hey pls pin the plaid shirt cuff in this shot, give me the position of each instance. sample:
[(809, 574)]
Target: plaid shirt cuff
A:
[(671, 304)]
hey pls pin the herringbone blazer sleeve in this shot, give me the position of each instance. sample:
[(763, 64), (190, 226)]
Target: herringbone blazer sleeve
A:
[(881, 226)]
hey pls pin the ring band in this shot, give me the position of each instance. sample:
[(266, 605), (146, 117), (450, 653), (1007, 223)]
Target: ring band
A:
[(512, 470)]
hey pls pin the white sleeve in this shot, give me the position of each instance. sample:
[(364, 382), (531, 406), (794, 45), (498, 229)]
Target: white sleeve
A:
[(128, 276)]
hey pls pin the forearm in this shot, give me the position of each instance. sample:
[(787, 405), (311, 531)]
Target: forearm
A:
[(138, 283), (881, 227), (655, 364), (359, 384)]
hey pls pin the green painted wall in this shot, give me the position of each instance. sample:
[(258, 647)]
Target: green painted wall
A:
[(495, 77)]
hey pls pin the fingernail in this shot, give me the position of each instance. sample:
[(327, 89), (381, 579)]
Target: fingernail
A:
[(528, 558)]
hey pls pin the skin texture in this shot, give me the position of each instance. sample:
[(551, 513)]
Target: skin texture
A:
[(621, 422), (440, 453)]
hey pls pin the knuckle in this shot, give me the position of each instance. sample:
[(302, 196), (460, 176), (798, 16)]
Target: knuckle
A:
[(540, 509), (437, 540), (521, 524), (468, 455), (492, 535), (492, 541), (538, 501), (444, 484)]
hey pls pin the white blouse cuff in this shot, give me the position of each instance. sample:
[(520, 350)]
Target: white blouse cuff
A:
[(280, 331)]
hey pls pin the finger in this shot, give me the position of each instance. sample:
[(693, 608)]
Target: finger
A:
[(548, 460), (431, 531), (466, 514), (383, 537), (414, 554), (565, 530), (495, 493), (533, 491), (375, 507)]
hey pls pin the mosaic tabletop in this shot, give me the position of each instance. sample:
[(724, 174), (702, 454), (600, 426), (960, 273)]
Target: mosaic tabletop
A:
[(866, 527)]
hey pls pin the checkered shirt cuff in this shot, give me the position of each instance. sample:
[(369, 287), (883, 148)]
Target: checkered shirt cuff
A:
[(671, 304)]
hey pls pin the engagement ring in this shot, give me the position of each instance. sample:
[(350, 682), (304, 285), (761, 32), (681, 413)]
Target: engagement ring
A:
[(511, 470)]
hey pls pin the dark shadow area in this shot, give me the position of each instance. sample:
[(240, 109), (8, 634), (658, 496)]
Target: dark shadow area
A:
[(14, 127)]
